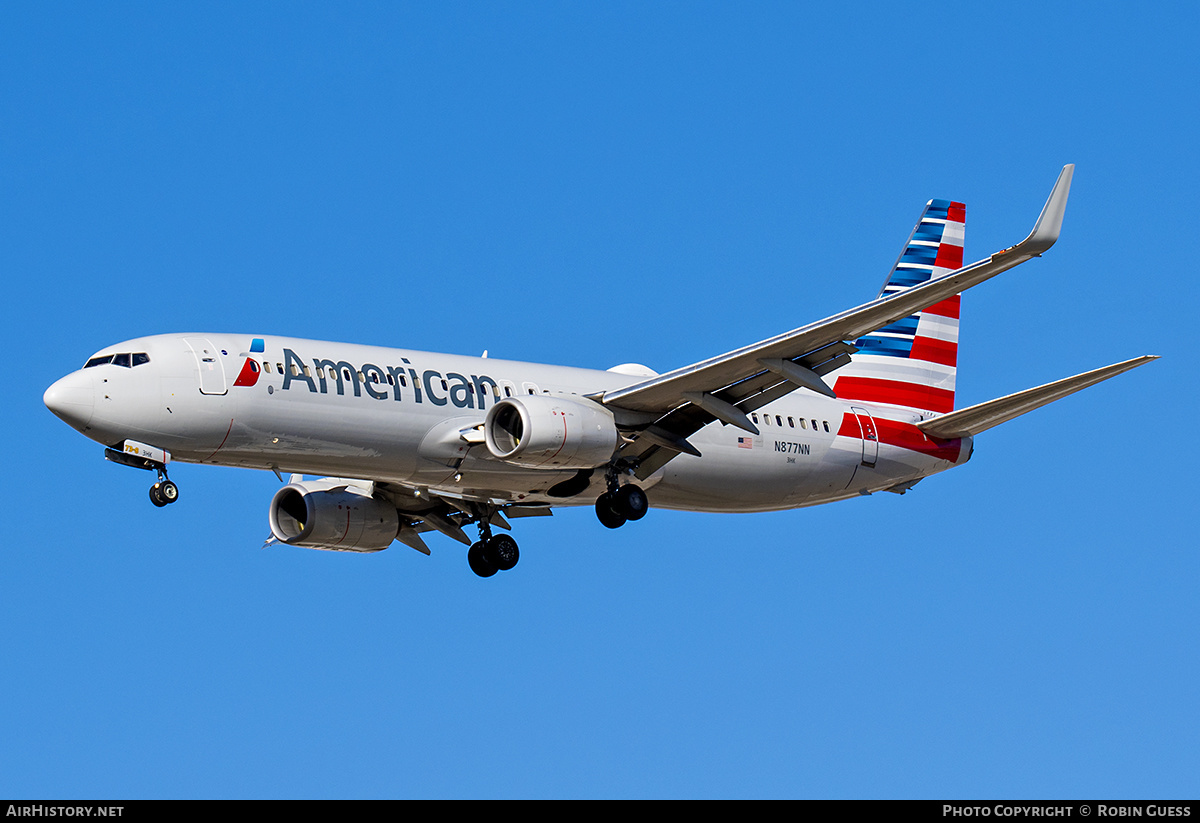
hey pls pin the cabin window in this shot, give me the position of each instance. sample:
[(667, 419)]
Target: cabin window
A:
[(267, 366), (826, 425), (391, 380), (280, 367), (792, 422), (815, 427), (778, 420), (802, 424), (754, 418), (307, 373)]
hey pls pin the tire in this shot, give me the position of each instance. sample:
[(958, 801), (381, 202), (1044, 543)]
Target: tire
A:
[(168, 491), (609, 518), (501, 551), (631, 501), (155, 497), (478, 562)]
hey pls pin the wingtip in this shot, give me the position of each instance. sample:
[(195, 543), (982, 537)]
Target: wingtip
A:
[(1049, 223)]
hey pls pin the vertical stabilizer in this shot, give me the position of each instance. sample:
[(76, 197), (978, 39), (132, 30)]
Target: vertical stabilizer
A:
[(911, 363)]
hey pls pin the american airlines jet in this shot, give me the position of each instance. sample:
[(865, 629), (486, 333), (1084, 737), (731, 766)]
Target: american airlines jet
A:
[(406, 442)]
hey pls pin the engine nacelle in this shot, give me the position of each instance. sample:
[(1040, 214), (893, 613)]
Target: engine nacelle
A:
[(315, 516), (543, 431)]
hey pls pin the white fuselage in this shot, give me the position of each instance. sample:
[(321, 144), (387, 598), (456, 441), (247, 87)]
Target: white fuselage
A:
[(394, 415)]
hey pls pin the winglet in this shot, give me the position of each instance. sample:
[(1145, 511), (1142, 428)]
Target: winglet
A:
[(1049, 223)]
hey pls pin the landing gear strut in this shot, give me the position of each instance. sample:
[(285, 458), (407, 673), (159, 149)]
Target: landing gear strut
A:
[(492, 553)]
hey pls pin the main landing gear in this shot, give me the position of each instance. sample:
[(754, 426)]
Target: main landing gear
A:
[(621, 504), (492, 553)]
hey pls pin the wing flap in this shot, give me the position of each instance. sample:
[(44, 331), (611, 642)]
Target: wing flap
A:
[(983, 416)]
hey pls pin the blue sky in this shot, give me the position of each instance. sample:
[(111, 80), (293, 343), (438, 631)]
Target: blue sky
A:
[(592, 185)]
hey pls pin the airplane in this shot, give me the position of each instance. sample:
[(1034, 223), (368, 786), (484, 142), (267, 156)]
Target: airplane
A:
[(389, 444)]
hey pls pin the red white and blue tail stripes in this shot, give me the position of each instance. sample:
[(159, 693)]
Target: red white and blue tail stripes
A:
[(911, 363)]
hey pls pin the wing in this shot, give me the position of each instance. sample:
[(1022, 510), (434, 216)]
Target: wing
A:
[(659, 414), (422, 511), (352, 514)]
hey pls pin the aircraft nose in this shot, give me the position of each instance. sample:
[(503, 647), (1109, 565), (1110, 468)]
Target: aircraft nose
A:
[(73, 399)]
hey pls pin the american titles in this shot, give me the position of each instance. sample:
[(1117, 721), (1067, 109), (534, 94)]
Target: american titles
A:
[(384, 382)]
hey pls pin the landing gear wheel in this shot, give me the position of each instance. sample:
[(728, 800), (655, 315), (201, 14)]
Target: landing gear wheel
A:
[(168, 491), (477, 561), (605, 511), (501, 551), (163, 493), (631, 501)]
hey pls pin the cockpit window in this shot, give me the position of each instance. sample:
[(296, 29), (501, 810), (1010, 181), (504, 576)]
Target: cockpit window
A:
[(125, 359)]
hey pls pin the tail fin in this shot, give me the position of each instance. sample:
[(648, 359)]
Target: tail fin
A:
[(912, 362)]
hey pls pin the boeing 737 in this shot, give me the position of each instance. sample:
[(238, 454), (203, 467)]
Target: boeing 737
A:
[(389, 444)]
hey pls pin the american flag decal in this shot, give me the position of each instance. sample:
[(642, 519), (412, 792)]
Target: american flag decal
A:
[(745, 442)]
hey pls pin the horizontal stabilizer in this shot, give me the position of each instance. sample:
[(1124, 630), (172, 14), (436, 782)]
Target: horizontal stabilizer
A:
[(983, 416)]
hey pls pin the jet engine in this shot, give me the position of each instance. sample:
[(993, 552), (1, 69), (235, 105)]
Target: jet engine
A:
[(332, 515), (543, 431)]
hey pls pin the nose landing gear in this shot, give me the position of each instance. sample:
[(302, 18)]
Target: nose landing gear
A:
[(143, 456), (164, 492)]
